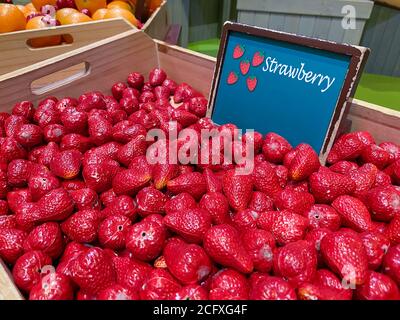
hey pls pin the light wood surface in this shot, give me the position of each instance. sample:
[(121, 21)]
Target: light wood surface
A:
[(157, 25), (16, 54), (112, 59), (8, 291)]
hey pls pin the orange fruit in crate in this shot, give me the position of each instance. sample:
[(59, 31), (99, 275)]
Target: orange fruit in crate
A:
[(154, 4), (91, 5), (40, 3), (38, 23), (121, 13), (63, 13), (11, 18), (28, 9), (99, 14), (120, 4), (75, 17)]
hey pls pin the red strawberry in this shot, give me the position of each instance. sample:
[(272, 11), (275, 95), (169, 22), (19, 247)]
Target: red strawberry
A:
[(384, 203), (117, 292), (157, 77), (46, 238), (192, 292), (251, 83), (275, 147), (66, 102), (107, 197), (260, 244), (117, 90), (296, 261), (10, 149), (28, 269), (224, 246), (344, 167), (18, 172), (188, 263), (217, 206), (93, 270), (125, 131), (112, 232), (214, 184), (394, 171), (299, 202), (285, 226), (260, 202), (100, 129), (24, 109), (349, 146), (11, 241), (393, 230), (135, 80), (375, 155), (305, 161), (391, 264), (326, 278), (266, 180), (364, 179), (92, 100), (150, 201), (74, 120), (315, 236), (145, 239), (191, 224), (258, 59), (131, 273), (327, 185), (160, 285), (41, 183), (170, 84), (54, 286), (85, 199), (353, 212), (323, 216), (244, 67), (129, 182), (376, 245), (238, 51), (382, 179), (237, 189), (378, 286), (28, 135), (311, 291), (12, 123), (53, 133), (265, 287), (8, 222), (229, 284), (163, 173), (82, 226), (192, 183), (185, 118), (66, 164), (56, 205), (122, 205), (344, 253), (180, 202), (71, 252), (75, 141), (135, 148), (392, 149)]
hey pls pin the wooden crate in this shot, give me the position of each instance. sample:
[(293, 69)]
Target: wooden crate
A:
[(312, 18), (111, 59), (17, 54)]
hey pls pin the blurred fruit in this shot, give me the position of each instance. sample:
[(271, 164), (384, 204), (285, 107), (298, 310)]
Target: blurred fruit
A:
[(75, 17), (120, 4), (41, 23), (121, 13), (99, 14), (11, 18), (91, 5), (38, 4), (28, 9)]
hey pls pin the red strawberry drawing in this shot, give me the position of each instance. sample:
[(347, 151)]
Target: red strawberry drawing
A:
[(244, 67), (251, 83), (238, 52), (258, 59), (232, 78)]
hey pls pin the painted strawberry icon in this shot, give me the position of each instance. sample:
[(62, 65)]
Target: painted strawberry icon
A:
[(238, 52), (258, 59), (251, 83), (244, 67), (232, 78)]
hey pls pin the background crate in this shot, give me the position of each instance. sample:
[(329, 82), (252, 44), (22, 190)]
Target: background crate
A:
[(314, 18), (382, 35), (111, 59)]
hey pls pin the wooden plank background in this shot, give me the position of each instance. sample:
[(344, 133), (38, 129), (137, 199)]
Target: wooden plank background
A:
[(382, 35)]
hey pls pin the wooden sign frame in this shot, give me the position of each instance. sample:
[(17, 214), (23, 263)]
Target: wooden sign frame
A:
[(358, 57)]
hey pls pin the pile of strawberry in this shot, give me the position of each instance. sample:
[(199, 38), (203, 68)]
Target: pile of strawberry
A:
[(83, 215)]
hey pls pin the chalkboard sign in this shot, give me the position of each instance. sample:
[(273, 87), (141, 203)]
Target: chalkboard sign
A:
[(277, 82)]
